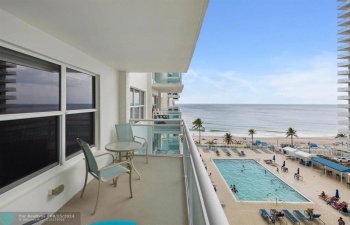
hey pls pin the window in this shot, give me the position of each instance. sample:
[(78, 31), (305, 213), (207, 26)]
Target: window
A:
[(137, 104), (31, 112)]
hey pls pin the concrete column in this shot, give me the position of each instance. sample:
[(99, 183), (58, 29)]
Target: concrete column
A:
[(124, 97)]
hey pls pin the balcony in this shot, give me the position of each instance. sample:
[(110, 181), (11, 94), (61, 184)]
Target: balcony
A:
[(8, 97), (343, 131), (167, 115), (7, 89), (344, 30), (343, 122), (344, 72), (344, 13), (168, 82), (345, 38), (173, 95), (343, 81), (7, 73), (343, 97), (343, 106), (2, 80), (344, 5), (178, 187), (344, 22), (343, 64), (343, 47), (346, 114), (344, 56)]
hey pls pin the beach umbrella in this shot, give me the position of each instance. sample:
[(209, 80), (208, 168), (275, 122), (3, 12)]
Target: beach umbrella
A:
[(215, 139), (284, 164), (298, 171), (337, 193), (273, 158)]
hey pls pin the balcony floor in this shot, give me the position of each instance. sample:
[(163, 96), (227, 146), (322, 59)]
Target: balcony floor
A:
[(159, 197)]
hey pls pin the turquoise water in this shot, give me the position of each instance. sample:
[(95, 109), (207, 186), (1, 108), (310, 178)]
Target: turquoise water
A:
[(255, 183), (267, 120)]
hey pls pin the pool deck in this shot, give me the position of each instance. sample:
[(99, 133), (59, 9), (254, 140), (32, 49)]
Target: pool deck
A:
[(311, 185)]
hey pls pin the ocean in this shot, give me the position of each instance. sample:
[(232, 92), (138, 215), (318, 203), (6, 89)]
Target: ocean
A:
[(267, 120)]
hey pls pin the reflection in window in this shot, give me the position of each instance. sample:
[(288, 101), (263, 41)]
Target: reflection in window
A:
[(80, 90), (25, 89), (78, 126), (27, 148)]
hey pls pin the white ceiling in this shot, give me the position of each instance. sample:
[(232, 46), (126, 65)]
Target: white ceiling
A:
[(129, 35)]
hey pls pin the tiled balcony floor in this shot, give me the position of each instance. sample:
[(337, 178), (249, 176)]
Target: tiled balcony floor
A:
[(159, 197)]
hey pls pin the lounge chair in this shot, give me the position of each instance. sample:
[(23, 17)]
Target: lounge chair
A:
[(217, 153), (314, 216), (228, 153), (301, 216), (278, 216), (266, 216), (290, 216), (242, 152)]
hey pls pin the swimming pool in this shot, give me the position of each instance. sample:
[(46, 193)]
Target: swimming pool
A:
[(255, 183)]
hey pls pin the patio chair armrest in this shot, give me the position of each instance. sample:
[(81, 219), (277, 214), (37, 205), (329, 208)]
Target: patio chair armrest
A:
[(140, 138), (115, 164), (107, 153)]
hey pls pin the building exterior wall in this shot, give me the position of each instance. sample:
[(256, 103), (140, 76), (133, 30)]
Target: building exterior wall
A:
[(33, 194)]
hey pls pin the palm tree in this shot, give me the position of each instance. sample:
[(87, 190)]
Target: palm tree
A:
[(210, 143), (342, 137), (198, 125), (292, 133), (251, 132), (228, 139)]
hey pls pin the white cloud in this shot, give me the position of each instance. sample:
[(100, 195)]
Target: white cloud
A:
[(312, 81)]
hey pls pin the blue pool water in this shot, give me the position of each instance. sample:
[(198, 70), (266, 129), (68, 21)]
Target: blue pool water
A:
[(255, 183)]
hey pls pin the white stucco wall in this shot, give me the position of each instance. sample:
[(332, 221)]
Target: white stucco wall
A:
[(142, 81), (33, 194)]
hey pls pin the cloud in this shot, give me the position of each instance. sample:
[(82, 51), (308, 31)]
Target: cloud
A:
[(312, 81)]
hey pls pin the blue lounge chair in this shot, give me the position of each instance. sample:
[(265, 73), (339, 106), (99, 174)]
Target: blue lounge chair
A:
[(301, 216), (314, 216), (290, 216), (266, 216), (278, 216)]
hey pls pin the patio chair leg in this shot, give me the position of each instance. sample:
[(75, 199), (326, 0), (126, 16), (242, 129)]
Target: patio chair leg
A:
[(130, 182), (98, 195), (86, 175)]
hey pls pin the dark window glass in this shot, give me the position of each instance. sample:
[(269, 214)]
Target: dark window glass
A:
[(131, 96), (79, 126), (25, 89), (28, 147), (80, 90)]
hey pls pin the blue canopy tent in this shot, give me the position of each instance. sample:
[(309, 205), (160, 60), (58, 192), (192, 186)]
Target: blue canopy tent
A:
[(335, 166), (258, 142), (313, 145), (264, 143)]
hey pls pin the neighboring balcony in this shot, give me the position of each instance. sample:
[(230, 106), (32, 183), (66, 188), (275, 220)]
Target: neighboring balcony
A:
[(7, 89), (167, 115), (343, 97), (344, 72), (6, 97), (343, 81), (344, 13), (343, 64), (344, 47), (7, 73), (173, 95), (344, 30), (344, 5), (344, 56), (343, 122), (344, 22), (168, 82), (343, 131), (343, 89), (346, 114), (344, 38), (2, 80), (343, 106)]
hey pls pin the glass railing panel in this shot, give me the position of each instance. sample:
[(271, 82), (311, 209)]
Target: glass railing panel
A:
[(167, 78)]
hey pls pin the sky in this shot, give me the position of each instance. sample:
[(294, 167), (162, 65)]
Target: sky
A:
[(265, 52)]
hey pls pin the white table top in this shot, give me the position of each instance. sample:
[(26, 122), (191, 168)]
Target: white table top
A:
[(121, 146)]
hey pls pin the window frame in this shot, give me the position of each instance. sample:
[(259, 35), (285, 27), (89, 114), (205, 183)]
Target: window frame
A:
[(60, 114), (140, 107)]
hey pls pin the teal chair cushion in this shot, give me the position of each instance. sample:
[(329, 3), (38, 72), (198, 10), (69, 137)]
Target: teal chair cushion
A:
[(110, 173)]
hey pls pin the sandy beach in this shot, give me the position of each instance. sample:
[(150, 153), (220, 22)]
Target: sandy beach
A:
[(272, 140)]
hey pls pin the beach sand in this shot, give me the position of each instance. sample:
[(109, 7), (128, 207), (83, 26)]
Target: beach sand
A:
[(274, 140)]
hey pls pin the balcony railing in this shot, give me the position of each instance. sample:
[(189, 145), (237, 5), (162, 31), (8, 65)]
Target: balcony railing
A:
[(344, 72), (343, 81), (344, 22), (203, 206), (343, 56), (7, 89), (8, 97), (166, 114), (343, 97), (343, 122), (343, 30), (167, 78), (343, 47), (343, 5), (344, 38), (343, 13), (343, 89), (343, 106), (347, 114)]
